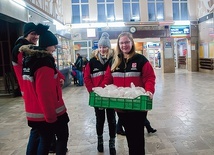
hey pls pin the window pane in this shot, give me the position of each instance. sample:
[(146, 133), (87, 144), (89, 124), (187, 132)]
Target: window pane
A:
[(135, 10), (84, 1), (160, 11), (75, 1), (100, 1), (126, 0), (110, 11), (85, 11), (151, 11), (135, 0), (101, 13), (176, 11), (184, 12), (75, 14), (109, 0), (126, 12)]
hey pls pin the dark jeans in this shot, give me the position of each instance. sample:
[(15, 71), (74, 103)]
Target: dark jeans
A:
[(100, 120), (133, 122), (47, 131), (79, 77), (33, 142)]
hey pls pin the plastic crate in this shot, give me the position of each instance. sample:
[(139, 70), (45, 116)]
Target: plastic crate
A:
[(142, 102)]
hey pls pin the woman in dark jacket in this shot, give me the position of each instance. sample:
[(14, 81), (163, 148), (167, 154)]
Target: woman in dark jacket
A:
[(93, 77)]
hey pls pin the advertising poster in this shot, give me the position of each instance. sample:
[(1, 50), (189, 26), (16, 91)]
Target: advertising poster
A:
[(180, 31)]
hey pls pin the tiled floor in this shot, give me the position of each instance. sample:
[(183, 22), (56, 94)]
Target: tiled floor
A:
[(183, 114)]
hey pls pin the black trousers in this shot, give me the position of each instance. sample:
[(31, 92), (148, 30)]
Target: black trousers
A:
[(100, 120), (133, 123)]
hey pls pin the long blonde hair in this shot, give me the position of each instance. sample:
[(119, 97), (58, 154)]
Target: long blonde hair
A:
[(118, 54)]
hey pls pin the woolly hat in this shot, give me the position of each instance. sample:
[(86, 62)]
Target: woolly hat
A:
[(104, 40), (28, 28), (46, 38)]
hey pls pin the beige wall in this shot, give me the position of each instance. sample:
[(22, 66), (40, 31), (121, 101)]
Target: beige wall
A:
[(167, 10)]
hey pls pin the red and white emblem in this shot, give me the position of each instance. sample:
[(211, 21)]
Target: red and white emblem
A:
[(134, 65)]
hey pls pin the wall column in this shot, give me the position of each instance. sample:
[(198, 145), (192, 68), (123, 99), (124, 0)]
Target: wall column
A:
[(167, 55), (192, 54)]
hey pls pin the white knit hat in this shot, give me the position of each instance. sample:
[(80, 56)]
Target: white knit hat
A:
[(104, 40)]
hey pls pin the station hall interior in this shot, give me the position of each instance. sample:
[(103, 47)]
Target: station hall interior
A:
[(181, 30)]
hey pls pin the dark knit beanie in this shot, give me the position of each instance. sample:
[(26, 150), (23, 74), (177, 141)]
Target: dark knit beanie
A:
[(28, 28), (46, 38)]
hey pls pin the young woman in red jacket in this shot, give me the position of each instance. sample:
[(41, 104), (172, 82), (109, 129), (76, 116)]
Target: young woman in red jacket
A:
[(129, 67), (44, 105), (93, 77)]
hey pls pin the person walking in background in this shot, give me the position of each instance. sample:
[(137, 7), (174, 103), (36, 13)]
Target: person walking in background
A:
[(74, 75), (79, 68), (159, 59), (120, 129), (85, 61), (29, 37), (44, 106), (147, 124), (93, 76), (129, 67)]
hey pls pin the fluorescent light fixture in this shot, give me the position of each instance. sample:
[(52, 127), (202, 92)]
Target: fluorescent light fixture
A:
[(136, 17), (110, 19), (88, 19), (98, 25), (159, 17), (182, 22), (116, 24), (19, 2), (119, 19), (46, 21)]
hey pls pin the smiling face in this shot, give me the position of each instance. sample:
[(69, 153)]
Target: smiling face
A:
[(125, 44), (103, 50), (51, 49), (33, 37)]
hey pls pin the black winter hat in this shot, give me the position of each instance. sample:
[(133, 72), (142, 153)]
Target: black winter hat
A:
[(28, 28), (46, 38)]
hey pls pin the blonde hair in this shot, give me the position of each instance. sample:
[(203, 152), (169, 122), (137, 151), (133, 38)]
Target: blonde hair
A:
[(118, 54), (96, 52)]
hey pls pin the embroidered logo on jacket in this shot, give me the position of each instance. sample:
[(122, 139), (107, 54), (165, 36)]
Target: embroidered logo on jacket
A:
[(134, 66), (95, 69)]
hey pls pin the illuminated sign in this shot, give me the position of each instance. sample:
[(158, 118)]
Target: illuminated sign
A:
[(180, 31)]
